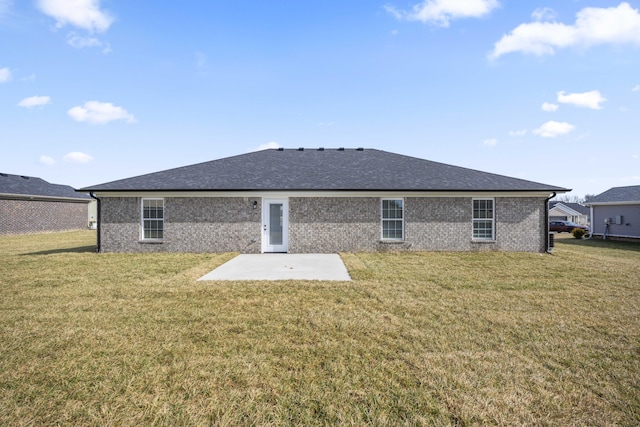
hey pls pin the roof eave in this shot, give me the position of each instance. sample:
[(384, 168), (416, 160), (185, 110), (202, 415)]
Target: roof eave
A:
[(344, 190), (15, 196)]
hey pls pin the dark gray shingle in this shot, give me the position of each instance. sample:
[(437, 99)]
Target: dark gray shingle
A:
[(575, 206), (618, 194), (32, 186), (315, 169)]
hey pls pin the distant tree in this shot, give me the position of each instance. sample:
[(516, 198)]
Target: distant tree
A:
[(569, 198)]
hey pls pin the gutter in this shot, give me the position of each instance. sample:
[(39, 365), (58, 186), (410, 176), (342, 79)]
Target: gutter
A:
[(547, 247), (98, 221), (15, 196)]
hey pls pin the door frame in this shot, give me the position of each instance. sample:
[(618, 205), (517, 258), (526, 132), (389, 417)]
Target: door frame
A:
[(266, 248)]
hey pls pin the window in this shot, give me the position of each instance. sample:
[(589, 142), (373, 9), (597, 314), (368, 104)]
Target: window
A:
[(392, 219), (483, 219), (152, 219)]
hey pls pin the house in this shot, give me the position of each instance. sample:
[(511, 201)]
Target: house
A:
[(322, 201), (616, 213), (565, 211), (33, 205)]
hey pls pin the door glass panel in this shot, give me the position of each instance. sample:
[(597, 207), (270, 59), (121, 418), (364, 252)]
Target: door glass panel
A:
[(275, 224)]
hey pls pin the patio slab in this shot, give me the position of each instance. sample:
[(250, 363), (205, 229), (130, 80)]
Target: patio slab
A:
[(281, 267)]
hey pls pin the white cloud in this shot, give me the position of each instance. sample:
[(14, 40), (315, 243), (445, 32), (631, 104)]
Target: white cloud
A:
[(636, 88), (85, 14), (5, 75), (591, 99), (79, 42), (96, 112), (547, 106), (440, 12), (34, 101), (46, 160), (269, 145), (521, 132), (77, 157), (544, 14), (491, 142), (594, 26), (551, 129)]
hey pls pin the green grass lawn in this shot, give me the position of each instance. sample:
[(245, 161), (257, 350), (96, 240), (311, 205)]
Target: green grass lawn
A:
[(416, 338)]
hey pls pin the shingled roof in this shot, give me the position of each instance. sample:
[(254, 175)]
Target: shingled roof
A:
[(577, 207), (20, 186), (630, 194), (320, 169)]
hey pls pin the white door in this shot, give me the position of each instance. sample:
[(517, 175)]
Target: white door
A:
[(275, 225)]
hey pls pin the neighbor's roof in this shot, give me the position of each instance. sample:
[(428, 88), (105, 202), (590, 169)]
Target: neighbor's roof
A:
[(576, 207), (20, 186), (320, 169), (618, 195)]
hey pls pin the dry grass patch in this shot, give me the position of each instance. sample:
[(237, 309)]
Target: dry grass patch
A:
[(427, 338)]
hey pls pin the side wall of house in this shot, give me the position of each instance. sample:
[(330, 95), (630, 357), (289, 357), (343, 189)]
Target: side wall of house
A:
[(630, 226), (323, 225), (37, 216), (191, 224), (558, 214)]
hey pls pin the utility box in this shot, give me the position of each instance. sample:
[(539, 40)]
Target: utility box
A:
[(619, 219)]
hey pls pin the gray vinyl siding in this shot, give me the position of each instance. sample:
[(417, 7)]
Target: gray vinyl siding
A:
[(630, 226)]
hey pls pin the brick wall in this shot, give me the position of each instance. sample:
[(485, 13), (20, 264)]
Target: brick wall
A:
[(195, 224), (323, 225), (333, 224), (431, 224), (37, 216)]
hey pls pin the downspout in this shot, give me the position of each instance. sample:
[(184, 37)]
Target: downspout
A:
[(547, 248), (590, 223), (93, 196)]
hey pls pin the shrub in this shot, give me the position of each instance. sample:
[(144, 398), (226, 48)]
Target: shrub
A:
[(578, 233)]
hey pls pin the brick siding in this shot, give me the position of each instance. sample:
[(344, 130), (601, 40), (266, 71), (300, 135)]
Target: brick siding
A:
[(431, 224), (323, 225), (39, 216), (198, 224)]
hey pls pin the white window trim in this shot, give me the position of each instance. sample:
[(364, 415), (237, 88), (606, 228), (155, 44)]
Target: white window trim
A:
[(142, 218), (493, 221), (382, 219)]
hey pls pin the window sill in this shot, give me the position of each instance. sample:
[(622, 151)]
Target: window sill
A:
[(391, 242), (151, 242), (481, 241)]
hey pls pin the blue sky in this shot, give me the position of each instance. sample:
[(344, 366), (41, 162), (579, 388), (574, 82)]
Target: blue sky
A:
[(97, 90)]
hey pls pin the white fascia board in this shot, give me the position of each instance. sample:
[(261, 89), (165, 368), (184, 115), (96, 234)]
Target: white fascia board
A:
[(613, 203), (285, 194)]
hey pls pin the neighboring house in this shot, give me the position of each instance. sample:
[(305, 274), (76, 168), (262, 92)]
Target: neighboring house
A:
[(322, 201), (32, 205), (574, 212), (616, 213)]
